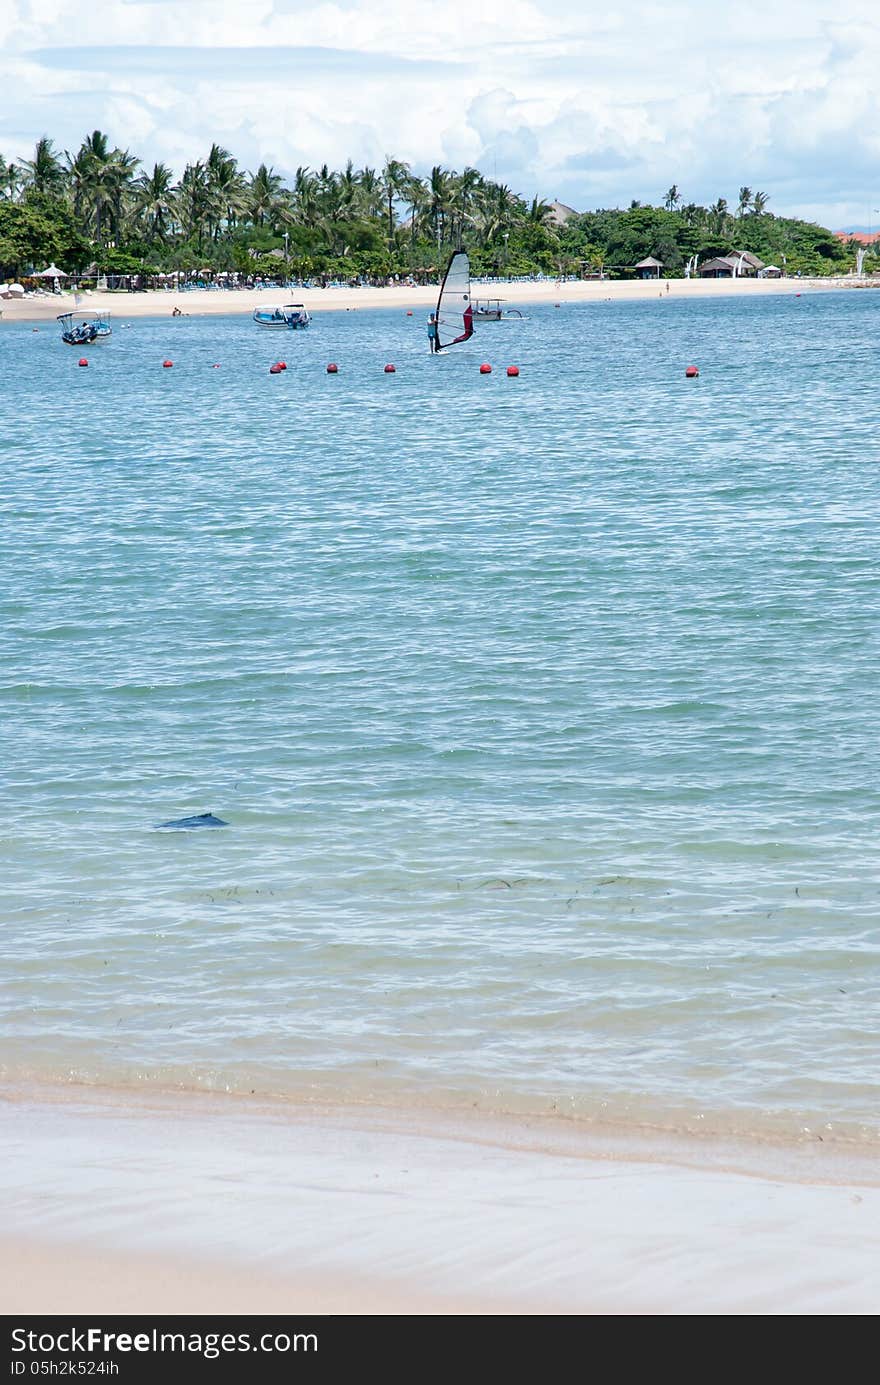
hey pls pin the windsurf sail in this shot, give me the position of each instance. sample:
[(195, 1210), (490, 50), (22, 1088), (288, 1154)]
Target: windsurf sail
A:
[(455, 311)]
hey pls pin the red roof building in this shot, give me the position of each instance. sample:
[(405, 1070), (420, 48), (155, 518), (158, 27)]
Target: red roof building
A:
[(861, 236)]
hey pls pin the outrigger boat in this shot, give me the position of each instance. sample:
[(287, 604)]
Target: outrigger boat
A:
[(85, 328), (291, 315), (490, 310)]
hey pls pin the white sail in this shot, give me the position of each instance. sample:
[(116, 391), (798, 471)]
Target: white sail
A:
[(455, 312)]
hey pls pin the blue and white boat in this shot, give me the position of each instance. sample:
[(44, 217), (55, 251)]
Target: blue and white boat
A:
[(85, 328), (290, 316)]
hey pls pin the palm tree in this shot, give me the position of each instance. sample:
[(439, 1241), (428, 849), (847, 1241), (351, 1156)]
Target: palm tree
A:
[(348, 192), (193, 202), (227, 190), (327, 195), (465, 192), (371, 196), (718, 214), (759, 202), (540, 215), (78, 167), (265, 192), (100, 178), (217, 160), (419, 203), (44, 172), (672, 198), (121, 178), (305, 197), (10, 179), (90, 180), (745, 201), (395, 176), (497, 209), (440, 196), (230, 191), (155, 201)]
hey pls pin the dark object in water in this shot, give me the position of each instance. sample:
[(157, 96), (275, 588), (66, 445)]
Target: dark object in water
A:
[(198, 820)]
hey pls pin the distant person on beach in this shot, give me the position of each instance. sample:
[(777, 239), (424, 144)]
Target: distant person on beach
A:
[(432, 333)]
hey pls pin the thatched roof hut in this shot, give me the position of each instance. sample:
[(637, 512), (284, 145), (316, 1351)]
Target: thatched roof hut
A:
[(560, 213), (737, 265), (649, 268)]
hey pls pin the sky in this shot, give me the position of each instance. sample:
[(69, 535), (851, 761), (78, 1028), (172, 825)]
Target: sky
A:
[(592, 104)]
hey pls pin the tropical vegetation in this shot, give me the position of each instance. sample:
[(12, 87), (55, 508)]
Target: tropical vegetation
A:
[(100, 210)]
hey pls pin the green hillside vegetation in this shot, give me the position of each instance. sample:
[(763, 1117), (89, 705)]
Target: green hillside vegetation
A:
[(101, 210)]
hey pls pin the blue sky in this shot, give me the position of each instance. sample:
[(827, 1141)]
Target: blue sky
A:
[(595, 106)]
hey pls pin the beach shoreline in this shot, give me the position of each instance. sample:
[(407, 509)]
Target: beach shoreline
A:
[(216, 302), (182, 1202)]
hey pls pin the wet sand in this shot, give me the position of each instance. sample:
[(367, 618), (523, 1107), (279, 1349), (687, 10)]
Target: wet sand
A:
[(187, 1203)]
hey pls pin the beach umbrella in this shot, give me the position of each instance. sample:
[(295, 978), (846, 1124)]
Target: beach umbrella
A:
[(53, 272)]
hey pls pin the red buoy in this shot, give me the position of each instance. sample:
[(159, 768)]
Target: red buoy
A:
[(390, 369), (283, 364), (83, 361), (513, 370), (409, 312), (692, 372), (166, 365), (485, 368), (333, 368), (275, 369)]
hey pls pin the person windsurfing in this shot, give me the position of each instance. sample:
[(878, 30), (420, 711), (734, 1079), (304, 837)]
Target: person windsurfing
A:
[(454, 317), (432, 333)]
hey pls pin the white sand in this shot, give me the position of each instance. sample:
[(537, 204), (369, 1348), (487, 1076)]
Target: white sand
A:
[(204, 302), (186, 1203)]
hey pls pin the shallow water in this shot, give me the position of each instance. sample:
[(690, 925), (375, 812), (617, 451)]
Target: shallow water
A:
[(543, 711)]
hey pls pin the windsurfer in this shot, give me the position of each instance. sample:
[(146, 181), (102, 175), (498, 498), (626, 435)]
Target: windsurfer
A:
[(432, 333)]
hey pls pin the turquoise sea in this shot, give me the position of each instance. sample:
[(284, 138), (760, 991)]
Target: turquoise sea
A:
[(543, 712)]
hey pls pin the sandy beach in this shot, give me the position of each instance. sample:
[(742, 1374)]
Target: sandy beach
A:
[(181, 1203), (207, 302)]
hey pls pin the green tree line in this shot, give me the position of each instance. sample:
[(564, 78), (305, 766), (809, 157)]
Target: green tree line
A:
[(102, 208)]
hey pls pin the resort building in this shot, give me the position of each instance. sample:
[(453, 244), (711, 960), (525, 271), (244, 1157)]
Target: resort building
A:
[(861, 237), (736, 266)]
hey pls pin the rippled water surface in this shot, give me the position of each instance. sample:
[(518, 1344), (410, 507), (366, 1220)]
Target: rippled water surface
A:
[(543, 712)]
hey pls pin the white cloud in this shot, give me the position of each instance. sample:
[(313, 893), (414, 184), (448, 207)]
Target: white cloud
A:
[(595, 106)]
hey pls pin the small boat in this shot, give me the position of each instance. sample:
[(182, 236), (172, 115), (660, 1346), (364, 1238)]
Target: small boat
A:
[(85, 328), (490, 310), (291, 315)]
